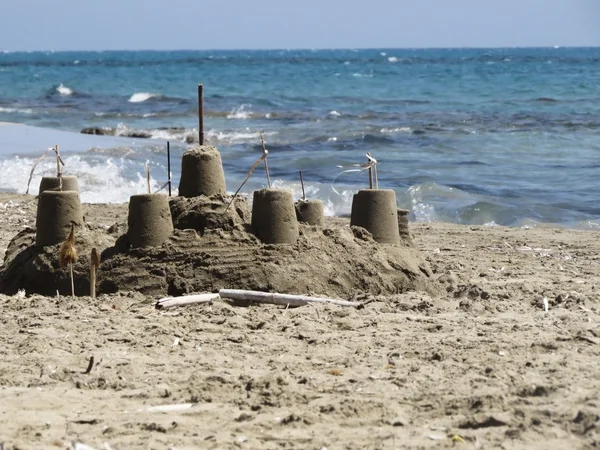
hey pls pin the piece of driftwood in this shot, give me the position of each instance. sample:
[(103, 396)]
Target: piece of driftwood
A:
[(280, 299), (168, 408), (171, 302)]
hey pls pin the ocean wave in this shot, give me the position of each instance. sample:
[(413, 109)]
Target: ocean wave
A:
[(64, 90), (139, 97), (110, 180), (16, 110), (242, 112), (334, 113), (236, 137)]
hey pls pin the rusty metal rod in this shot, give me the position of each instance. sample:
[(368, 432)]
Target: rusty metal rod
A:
[(200, 115)]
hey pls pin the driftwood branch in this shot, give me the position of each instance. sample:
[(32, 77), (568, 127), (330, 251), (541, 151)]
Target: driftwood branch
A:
[(171, 302), (280, 299)]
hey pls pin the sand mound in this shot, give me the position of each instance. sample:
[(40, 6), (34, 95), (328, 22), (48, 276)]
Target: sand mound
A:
[(211, 250)]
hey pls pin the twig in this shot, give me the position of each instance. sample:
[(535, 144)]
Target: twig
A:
[(147, 177), (279, 299), (171, 302), (94, 265), (90, 366), (265, 153), (302, 184), (68, 255), (360, 168), (254, 166), (169, 166), (58, 162)]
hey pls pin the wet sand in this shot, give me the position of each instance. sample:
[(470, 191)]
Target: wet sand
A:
[(480, 365)]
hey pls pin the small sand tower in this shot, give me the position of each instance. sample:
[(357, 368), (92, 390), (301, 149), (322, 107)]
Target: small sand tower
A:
[(149, 221), (309, 211), (56, 211), (274, 217), (69, 183), (376, 211), (403, 225), (201, 172)]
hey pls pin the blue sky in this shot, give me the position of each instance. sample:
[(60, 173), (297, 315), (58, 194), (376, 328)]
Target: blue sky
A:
[(245, 24)]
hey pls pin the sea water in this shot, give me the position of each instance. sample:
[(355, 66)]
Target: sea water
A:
[(475, 136)]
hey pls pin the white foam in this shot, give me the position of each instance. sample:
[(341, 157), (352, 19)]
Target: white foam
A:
[(64, 90), (240, 112), (103, 182), (396, 130), (383, 54), (392, 59), (334, 204), (334, 113), (16, 110), (237, 137), (139, 97), (361, 75)]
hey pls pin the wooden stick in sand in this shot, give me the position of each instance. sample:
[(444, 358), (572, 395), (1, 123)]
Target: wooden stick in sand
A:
[(265, 153), (59, 161), (147, 177), (169, 166), (94, 265), (171, 302), (280, 299), (68, 255), (302, 184), (254, 166), (372, 164)]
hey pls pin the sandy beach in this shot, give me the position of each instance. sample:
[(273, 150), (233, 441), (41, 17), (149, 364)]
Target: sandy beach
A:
[(479, 365)]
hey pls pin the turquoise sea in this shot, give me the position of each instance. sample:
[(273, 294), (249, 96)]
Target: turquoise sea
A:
[(477, 136)]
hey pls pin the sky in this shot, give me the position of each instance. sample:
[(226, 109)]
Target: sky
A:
[(285, 24)]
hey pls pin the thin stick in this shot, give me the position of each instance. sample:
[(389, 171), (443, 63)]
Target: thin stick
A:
[(58, 161), (279, 299), (94, 265), (171, 302), (254, 166), (302, 184), (265, 153), (72, 282), (34, 166), (200, 115), (169, 166), (147, 177)]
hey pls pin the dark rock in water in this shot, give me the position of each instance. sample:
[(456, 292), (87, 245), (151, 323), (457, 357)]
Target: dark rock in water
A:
[(140, 134), (99, 131)]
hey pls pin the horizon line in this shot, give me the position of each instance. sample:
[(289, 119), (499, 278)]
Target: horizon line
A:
[(296, 49)]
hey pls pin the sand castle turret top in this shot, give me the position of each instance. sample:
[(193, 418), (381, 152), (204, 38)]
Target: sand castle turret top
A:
[(201, 172)]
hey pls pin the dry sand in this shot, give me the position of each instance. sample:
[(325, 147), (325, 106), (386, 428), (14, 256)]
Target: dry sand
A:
[(482, 360)]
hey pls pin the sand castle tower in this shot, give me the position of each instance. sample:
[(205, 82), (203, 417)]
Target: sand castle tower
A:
[(149, 222), (310, 212), (201, 172), (68, 183), (56, 211), (274, 216), (376, 211)]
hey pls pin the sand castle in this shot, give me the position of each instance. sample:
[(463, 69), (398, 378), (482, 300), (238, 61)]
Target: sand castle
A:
[(204, 240)]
